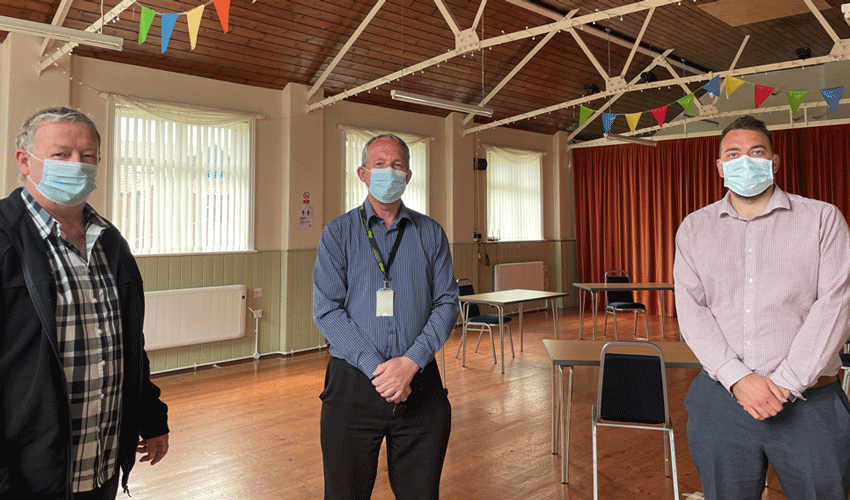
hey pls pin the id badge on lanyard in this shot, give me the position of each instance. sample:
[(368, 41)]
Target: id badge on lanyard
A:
[(384, 297)]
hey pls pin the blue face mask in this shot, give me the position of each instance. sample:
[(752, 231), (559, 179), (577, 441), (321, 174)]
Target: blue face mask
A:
[(747, 176), (387, 184), (67, 183)]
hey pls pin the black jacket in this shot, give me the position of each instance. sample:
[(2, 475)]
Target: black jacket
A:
[(35, 447)]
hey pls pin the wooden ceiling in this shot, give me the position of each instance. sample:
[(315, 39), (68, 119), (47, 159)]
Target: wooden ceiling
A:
[(271, 43)]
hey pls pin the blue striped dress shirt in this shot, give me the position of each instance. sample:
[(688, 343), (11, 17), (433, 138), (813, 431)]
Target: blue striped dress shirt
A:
[(346, 279)]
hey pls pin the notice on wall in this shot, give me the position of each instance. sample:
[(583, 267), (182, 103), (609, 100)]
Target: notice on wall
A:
[(305, 216)]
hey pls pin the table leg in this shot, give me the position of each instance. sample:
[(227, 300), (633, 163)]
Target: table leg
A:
[(502, 334), (580, 312), (594, 298), (520, 327), (556, 407), (663, 317), (463, 338), (567, 398), (555, 314)]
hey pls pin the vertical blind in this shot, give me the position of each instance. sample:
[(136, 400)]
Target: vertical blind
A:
[(415, 195), (514, 194), (182, 179)]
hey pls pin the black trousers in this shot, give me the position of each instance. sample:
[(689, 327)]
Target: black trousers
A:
[(356, 419)]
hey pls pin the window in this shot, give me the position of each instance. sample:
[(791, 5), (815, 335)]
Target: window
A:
[(415, 195), (182, 178), (514, 194)]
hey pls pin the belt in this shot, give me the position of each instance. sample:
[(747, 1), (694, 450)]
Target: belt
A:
[(824, 380)]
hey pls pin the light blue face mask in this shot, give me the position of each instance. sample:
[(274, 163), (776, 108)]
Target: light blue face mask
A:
[(747, 176), (67, 183), (387, 184)]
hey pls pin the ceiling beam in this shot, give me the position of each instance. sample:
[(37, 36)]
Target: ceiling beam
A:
[(58, 20), (344, 50), (829, 31), (637, 42), (481, 45), (97, 25), (518, 67), (732, 67), (557, 16), (447, 15), (589, 55), (765, 68)]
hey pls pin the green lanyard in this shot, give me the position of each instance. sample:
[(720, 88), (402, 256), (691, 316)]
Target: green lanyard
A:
[(385, 269)]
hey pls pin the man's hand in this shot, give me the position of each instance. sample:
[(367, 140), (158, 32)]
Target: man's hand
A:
[(154, 449), (392, 378), (759, 396)]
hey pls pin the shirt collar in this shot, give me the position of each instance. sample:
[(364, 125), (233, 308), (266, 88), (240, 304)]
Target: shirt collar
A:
[(45, 222), (778, 201), (403, 213)]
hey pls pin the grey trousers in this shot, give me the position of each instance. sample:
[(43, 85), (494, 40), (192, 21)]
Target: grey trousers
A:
[(807, 443)]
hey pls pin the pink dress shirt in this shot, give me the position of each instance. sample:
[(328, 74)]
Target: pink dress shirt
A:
[(768, 295)]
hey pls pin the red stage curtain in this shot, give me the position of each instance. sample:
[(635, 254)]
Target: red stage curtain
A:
[(630, 199)]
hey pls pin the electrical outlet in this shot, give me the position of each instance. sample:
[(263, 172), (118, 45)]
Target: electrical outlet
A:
[(258, 313)]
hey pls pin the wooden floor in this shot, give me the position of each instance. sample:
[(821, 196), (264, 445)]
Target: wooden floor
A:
[(251, 430)]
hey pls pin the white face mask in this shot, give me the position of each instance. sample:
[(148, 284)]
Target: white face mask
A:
[(747, 176), (387, 184), (67, 183)]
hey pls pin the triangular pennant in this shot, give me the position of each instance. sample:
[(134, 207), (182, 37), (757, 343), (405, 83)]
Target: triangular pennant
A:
[(223, 9), (832, 97), (713, 86), (168, 21), (607, 121), (145, 23), (687, 102), (762, 93), (732, 84), (795, 98), (633, 119), (584, 114), (193, 20), (660, 114)]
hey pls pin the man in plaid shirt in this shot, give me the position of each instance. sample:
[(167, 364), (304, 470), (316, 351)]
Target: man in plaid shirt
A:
[(77, 399)]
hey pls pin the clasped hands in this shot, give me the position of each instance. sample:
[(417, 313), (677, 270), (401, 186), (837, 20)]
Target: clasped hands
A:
[(760, 396), (392, 379)]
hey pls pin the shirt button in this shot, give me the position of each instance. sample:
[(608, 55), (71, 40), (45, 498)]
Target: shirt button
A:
[(748, 311), (750, 280), (750, 250)]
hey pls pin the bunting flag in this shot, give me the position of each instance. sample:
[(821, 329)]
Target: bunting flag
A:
[(795, 98), (584, 114), (193, 19), (145, 23), (222, 7), (607, 121), (713, 86), (762, 93), (832, 97), (168, 21), (633, 119), (732, 85), (686, 102), (660, 114)]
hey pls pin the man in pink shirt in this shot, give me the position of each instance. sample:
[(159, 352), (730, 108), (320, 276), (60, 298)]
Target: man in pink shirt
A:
[(763, 298)]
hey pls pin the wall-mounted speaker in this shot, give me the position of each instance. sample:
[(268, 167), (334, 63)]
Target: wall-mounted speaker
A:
[(479, 163)]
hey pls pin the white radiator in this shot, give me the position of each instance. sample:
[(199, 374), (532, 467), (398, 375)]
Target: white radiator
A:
[(190, 316), (524, 275)]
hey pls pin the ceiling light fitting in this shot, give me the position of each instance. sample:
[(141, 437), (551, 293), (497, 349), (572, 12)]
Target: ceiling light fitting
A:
[(14, 25), (633, 140), (400, 95)]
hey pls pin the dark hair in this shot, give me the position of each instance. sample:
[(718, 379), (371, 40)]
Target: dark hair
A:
[(26, 137), (747, 123), (365, 155)]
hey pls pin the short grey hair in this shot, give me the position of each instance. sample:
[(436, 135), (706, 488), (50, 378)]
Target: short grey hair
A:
[(365, 155), (26, 137)]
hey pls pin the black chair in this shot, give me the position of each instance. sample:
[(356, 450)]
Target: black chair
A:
[(622, 301), (633, 393), (473, 319), (845, 365)]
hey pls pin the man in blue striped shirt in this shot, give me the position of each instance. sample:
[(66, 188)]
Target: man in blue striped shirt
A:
[(385, 298)]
